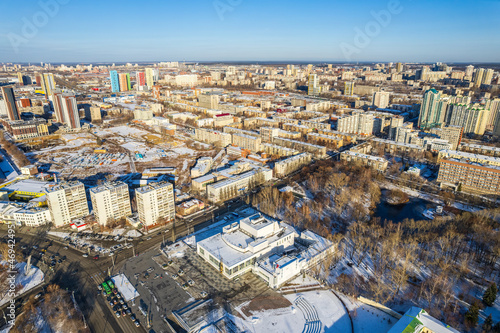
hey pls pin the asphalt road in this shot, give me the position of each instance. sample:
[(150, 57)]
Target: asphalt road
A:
[(82, 275)]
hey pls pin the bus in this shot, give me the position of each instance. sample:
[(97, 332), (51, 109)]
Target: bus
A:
[(111, 284), (106, 288)]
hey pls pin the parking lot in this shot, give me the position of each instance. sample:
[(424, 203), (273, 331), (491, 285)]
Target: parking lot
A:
[(159, 293)]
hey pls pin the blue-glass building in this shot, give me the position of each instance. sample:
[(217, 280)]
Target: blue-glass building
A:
[(115, 82)]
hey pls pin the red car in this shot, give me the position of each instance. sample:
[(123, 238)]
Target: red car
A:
[(96, 257)]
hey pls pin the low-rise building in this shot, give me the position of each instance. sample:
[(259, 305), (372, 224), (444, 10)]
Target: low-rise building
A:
[(480, 149), (26, 129), (396, 148), (466, 175), (272, 149), (213, 137), (461, 155), (249, 142), (190, 207), (377, 163), (417, 320), (291, 164), (202, 167), (33, 216), (334, 141), (237, 185), (315, 150)]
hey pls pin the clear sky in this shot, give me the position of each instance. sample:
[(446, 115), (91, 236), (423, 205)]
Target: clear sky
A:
[(238, 30)]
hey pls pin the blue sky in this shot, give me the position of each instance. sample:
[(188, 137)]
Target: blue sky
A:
[(218, 30)]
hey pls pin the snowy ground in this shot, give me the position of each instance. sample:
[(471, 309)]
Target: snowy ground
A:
[(316, 312), (28, 282), (366, 318)]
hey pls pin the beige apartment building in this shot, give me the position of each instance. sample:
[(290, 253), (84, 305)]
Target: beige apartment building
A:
[(377, 163), (213, 137), (155, 201), (67, 201), (110, 201)]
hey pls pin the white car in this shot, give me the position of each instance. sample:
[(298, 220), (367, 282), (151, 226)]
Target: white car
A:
[(85, 255)]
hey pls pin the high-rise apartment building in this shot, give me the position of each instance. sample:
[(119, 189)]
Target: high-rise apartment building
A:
[(381, 99), (494, 106), (124, 79), (348, 88), (313, 88), (10, 103), (358, 122), (469, 71), (67, 201), (110, 201), (66, 109), (433, 110), (150, 81), (208, 101), (478, 77), (115, 81), (472, 119), (48, 83), (488, 76), (140, 79), (155, 201)]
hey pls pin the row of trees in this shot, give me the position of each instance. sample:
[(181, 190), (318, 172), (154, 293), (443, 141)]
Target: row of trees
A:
[(11, 149)]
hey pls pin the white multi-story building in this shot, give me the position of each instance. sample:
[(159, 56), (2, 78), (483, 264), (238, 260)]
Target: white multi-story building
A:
[(291, 164), (249, 142), (264, 246), (381, 99), (237, 185), (111, 201), (154, 201), (213, 137), (358, 122), (188, 80), (33, 217), (67, 201)]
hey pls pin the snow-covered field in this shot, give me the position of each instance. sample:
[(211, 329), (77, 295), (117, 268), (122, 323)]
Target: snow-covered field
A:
[(317, 312)]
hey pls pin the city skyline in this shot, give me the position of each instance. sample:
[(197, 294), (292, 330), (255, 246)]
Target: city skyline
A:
[(220, 30)]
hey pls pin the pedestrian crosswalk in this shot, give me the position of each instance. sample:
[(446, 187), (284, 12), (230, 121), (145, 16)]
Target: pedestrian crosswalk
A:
[(98, 277)]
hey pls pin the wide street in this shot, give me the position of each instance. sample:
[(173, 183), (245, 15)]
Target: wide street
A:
[(82, 275)]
